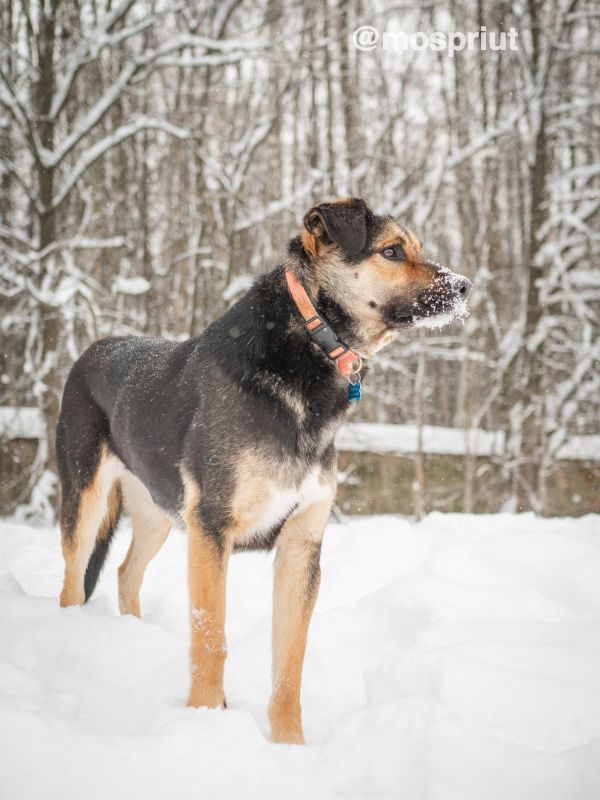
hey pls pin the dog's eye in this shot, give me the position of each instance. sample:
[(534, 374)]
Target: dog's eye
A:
[(395, 253)]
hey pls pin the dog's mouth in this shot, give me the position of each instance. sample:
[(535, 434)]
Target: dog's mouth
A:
[(402, 320), (435, 312), (438, 319)]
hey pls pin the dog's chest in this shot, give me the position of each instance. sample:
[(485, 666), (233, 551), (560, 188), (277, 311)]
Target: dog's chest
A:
[(273, 504)]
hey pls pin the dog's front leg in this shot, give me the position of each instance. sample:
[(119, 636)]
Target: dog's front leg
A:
[(296, 584), (207, 568)]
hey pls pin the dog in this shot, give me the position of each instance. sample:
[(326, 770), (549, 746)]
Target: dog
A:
[(231, 433)]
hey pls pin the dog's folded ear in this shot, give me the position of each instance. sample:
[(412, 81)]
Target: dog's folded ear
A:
[(343, 222)]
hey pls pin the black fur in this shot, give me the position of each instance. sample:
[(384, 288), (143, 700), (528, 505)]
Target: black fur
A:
[(103, 541), (96, 562), (314, 572), (159, 404)]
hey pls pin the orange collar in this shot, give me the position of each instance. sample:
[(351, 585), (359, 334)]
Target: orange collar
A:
[(319, 329)]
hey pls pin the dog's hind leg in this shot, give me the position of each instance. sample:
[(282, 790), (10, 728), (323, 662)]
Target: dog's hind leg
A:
[(295, 589), (150, 529), (89, 516)]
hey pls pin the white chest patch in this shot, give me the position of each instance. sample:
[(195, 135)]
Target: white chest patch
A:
[(282, 500), (276, 508), (313, 490)]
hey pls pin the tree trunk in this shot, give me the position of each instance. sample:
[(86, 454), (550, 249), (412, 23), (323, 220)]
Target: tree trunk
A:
[(529, 391), (419, 479), (49, 376)]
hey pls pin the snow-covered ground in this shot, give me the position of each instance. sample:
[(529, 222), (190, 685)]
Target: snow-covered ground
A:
[(455, 659)]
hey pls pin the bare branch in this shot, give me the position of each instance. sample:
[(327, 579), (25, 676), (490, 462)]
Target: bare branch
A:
[(112, 140)]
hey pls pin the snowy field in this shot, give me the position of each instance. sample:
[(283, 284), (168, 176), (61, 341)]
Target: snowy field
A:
[(455, 659)]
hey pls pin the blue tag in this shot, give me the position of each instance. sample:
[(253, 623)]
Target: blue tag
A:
[(353, 391)]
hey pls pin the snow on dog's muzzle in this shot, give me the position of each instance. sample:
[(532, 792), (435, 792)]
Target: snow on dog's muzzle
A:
[(443, 301), (431, 304)]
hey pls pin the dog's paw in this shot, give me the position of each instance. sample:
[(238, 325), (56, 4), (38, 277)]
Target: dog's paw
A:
[(287, 736), (206, 697), (286, 727)]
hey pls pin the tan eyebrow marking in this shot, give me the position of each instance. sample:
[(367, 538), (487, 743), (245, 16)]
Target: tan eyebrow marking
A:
[(415, 241), (391, 242)]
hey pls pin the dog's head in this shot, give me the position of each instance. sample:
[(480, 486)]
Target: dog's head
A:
[(372, 268)]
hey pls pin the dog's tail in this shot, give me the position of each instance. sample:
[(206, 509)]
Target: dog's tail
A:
[(89, 476), (103, 540)]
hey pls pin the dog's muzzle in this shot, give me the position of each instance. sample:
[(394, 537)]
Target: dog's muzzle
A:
[(445, 297)]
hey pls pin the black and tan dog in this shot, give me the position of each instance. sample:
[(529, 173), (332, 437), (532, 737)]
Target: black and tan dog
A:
[(232, 432)]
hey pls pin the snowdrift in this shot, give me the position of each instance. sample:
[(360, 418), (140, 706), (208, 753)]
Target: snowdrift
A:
[(455, 658)]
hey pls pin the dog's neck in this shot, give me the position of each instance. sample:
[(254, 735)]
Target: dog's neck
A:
[(340, 321), (262, 340)]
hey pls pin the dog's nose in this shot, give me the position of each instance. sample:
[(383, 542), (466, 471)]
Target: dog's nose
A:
[(463, 287)]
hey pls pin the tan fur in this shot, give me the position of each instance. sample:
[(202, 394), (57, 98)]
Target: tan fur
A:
[(394, 233), (150, 529), (207, 571), (341, 201), (96, 504), (258, 478), (253, 490), (265, 490), (310, 243), (295, 589), (112, 511)]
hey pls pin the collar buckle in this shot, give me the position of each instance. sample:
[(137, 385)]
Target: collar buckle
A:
[(346, 362)]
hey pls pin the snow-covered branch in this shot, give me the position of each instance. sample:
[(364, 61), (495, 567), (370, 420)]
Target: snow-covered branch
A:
[(120, 134)]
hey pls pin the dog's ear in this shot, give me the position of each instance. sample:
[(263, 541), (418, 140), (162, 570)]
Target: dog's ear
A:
[(343, 222)]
